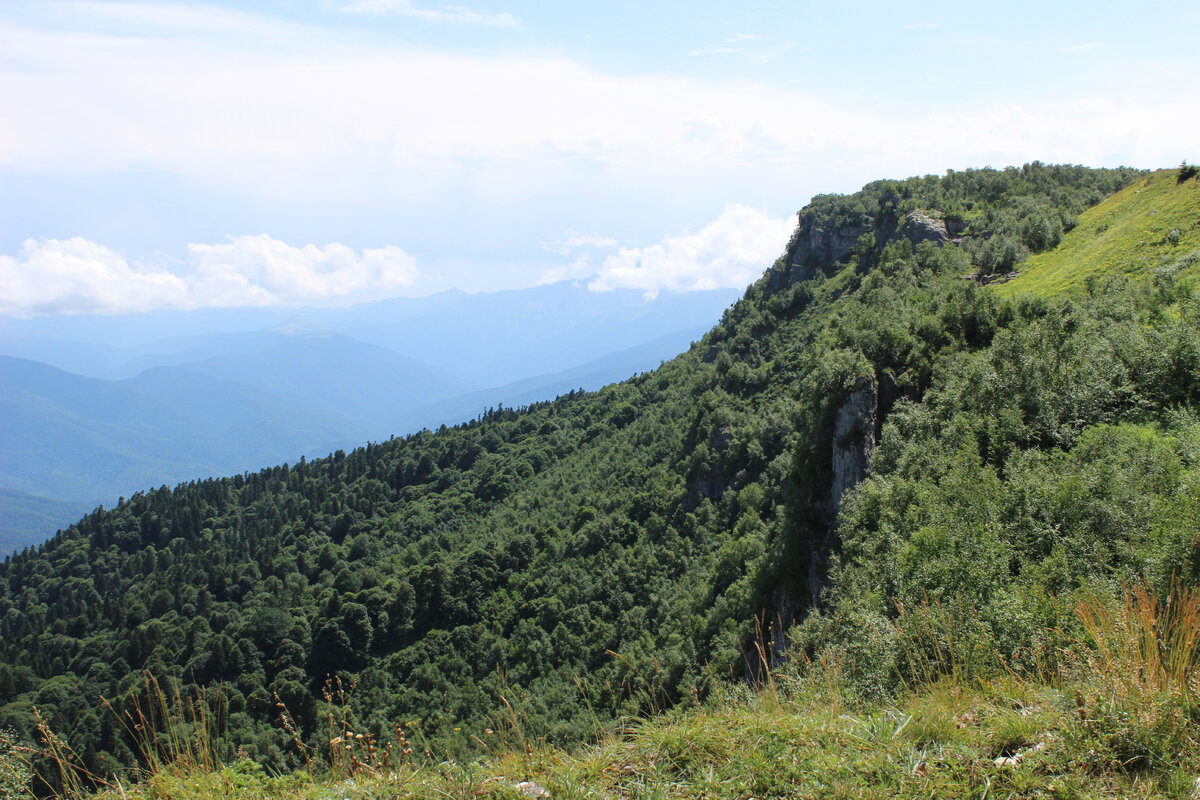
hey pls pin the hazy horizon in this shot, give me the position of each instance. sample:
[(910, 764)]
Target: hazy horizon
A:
[(163, 155)]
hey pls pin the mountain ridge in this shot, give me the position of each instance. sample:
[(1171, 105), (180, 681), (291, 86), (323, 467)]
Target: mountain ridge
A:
[(1000, 460)]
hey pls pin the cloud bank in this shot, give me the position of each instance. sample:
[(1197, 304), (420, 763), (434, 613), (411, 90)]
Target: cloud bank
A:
[(458, 15), (77, 276), (730, 252), (473, 145), (271, 97)]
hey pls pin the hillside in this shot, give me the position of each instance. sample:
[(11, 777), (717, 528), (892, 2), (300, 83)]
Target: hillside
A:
[(68, 436), (229, 390), (865, 449), (1152, 224)]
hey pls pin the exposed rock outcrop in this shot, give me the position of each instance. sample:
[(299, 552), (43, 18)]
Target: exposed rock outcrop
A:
[(712, 483), (814, 246), (817, 245), (853, 440), (920, 227)]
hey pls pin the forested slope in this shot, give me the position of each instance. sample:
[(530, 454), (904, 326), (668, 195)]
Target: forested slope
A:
[(999, 456)]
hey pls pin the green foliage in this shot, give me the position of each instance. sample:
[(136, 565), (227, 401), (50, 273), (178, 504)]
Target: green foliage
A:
[(608, 553), (999, 216), (1152, 224), (15, 775)]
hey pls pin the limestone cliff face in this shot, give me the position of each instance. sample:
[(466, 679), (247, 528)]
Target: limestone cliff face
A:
[(711, 483), (816, 245), (855, 431), (827, 235), (920, 227), (853, 441), (857, 425)]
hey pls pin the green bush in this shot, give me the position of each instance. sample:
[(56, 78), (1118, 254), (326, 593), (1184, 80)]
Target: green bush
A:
[(15, 775)]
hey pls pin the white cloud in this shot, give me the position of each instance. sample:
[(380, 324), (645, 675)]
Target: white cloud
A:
[(75, 276), (79, 276), (452, 14), (730, 252), (271, 272), (580, 267), (759, 48), (589, 240)]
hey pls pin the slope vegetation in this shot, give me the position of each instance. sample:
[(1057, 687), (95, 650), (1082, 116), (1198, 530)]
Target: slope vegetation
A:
[(1152, 224), (867, 450)]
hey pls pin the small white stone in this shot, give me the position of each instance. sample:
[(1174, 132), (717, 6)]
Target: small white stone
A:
[(532, 789)]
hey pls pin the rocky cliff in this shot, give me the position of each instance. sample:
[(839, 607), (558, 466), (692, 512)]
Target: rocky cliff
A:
[(829, 233), (853, 441)]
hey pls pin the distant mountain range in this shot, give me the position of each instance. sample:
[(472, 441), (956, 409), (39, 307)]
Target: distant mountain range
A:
[(93, 408)]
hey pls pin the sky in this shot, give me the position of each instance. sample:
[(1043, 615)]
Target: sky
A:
[(161, 155)]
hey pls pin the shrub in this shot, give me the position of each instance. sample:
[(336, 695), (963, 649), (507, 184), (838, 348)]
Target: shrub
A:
[(14, 769)]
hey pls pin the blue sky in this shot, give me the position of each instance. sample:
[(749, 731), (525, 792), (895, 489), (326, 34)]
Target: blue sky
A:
[(170, 155)]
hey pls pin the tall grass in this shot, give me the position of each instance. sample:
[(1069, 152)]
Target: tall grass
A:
[(942, 641), (172, 729), (1144, 644), (354, 751), (1137, 682)]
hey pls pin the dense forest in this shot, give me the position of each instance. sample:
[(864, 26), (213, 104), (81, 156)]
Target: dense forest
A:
[(871, 434)]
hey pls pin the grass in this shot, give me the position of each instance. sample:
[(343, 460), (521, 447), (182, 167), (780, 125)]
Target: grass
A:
[(1121, 718), (1127, 235)]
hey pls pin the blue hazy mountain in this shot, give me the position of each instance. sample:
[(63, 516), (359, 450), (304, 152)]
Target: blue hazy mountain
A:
[(609, 368), (25, 518), (95, 407), (88, 440), (486, 339)]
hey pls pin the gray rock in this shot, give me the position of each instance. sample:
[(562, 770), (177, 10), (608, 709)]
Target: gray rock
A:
[(853, 440), (711, 485), (813, 246), (721, 439), (920, 227)]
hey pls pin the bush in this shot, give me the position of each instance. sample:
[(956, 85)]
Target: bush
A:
[(14, 769), (1186, 171)]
